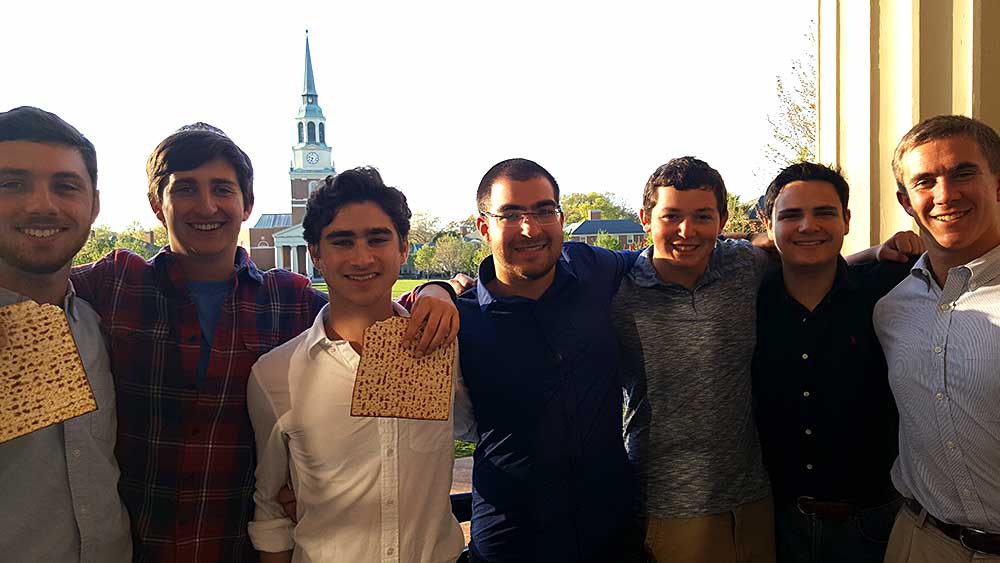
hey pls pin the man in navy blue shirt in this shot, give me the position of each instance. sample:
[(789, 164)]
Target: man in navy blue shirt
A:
[(551, 480)]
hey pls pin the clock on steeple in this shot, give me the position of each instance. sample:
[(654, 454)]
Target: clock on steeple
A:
[(312, 160)]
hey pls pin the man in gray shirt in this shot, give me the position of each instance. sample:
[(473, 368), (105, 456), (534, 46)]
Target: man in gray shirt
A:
[(685, 317), (940, 329), (59, 484)]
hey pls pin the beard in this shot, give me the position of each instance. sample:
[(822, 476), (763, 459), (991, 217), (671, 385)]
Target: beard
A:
[(24, 259)]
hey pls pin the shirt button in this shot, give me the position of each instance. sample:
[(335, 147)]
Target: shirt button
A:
[(809, 466), (390, 502), (83, 510), (390, 551), (809, 432), (937, 349), (803, 319), (805, 393), (939, 396), (388, 451), (950, 444), (805, 356), (945, 306), (76, 453)]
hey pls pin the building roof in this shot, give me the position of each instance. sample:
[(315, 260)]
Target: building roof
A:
[(273, 220), (610, 226)]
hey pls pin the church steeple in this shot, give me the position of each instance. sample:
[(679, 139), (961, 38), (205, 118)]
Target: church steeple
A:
[(308, 83), (312, 158), (310, 110)]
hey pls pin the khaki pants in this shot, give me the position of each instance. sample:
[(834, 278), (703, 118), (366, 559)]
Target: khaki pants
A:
[(914, 540), (742, 535)]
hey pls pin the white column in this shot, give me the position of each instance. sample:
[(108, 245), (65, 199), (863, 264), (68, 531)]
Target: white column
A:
[(295, 259), (309, 264), (277, 256), (884, 65)]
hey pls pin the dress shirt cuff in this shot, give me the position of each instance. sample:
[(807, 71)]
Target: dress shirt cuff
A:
[(272, 536)]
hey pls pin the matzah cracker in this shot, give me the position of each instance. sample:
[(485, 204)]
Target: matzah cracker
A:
[(42, 381), (392, 383)]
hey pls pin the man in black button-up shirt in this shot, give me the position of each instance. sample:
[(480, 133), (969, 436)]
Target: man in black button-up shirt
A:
[(825, 413)]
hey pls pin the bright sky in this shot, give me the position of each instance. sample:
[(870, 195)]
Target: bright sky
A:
[(431, 93)]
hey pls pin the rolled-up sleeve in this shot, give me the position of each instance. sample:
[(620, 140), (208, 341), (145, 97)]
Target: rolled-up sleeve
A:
[(270, 530)]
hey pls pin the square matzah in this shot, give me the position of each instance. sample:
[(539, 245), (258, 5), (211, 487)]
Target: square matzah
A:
[(42, 381), (392, 383)]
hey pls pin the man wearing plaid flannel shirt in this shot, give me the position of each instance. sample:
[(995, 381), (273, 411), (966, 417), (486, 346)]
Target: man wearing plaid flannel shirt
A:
[(184, 329)]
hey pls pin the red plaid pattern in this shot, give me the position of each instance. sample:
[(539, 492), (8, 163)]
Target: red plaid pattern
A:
[(186, 451)]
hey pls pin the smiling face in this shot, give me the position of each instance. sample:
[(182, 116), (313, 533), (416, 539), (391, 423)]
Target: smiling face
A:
[(525, 252), (684, 225), (202, 210), (47, 206), (807, 224), (953, 196), (359, 253)]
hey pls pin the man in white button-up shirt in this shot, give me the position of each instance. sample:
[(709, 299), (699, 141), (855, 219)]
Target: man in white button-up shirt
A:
[(367, 489), (940, 328)]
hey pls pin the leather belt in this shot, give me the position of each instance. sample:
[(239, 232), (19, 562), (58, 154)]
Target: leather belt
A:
[(972, 539), (838, 509)]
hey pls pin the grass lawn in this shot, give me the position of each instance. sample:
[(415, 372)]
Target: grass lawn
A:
[(399, 288), (462, 449)]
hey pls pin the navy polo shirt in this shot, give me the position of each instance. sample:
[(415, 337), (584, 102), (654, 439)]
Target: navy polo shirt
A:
[(551, 480)]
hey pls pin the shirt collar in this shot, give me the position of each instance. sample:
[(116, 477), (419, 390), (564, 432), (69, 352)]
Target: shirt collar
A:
[(9, 297), (565, 271), (984, 269), (644, 274), (316, 338), (980, 271), (170, 277)]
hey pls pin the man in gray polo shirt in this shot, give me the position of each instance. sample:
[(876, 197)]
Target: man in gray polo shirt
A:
[(940, 329), (59, 484), (685, 318)]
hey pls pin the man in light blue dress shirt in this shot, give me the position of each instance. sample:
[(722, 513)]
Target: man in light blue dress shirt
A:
[(940, 329), (59, 484)]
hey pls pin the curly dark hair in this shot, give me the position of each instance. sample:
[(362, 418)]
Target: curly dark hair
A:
[(354, 186)]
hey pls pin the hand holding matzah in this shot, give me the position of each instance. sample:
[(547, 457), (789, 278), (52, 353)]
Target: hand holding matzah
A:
[(42, 381), (391, 382)]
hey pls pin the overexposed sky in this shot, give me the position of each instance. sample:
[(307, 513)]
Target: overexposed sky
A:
[(431, 93)]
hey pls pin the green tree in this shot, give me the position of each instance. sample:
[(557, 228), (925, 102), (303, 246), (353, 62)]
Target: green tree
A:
[(482, 252), (453, 255), (101, 242), (424, 260), (739, 217), (605, 240), (576, 206), (423, 227)]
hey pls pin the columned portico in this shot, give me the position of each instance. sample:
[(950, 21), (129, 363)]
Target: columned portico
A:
[(883, 66)]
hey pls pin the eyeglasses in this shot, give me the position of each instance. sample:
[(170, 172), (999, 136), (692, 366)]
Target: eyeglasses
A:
[(545, 216)]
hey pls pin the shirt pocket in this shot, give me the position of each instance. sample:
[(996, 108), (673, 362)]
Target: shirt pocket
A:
[(975, 387)]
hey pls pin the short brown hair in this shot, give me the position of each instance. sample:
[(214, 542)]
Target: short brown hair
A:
[(942, 127), (190, 147), (685, 173)]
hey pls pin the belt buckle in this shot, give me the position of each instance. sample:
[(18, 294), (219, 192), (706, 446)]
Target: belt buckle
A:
[(974, 532), (798, 505)]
